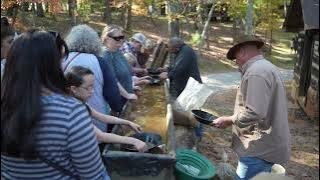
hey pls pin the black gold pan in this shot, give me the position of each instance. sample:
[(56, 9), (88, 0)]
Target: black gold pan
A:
[(203, 117)]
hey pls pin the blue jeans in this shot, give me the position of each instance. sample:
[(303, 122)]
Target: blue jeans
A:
[(248, 167)]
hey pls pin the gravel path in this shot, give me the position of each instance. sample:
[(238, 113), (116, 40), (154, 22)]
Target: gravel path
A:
[(229, 80)]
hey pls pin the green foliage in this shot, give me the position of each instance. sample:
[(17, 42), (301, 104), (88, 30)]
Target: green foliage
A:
[(195, 39), (268, 12), (84, 8), (148, 2), (265, 12), (237, 9)]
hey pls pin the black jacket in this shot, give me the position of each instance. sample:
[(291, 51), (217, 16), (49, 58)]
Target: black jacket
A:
[(184, 65)]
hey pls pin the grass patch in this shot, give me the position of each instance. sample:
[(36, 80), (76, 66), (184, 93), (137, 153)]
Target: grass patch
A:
[(282, 55)]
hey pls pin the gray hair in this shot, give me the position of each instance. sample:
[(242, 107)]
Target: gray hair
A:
[(176, 42), (82, 38)]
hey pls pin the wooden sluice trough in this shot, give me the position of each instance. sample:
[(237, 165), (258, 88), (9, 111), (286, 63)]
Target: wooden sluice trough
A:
[(154, 113)]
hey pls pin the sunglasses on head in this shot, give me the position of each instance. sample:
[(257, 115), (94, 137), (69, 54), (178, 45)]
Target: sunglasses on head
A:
[(117, 38)]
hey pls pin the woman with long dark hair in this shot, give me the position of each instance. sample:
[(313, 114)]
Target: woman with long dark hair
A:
[(45, 134), (7, 36)]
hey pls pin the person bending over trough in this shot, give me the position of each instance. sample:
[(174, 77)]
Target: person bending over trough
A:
[(80, 84)]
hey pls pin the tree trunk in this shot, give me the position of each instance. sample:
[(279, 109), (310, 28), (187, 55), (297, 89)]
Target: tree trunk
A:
[(128, 15), (173, 22), (205, 34), (123, 14), (73, 11), (234, 30), (206, 26), (271, 32), (249, 18), (285, 4), (271, 36), (199, 23), (151, 11), (25, 6), (92, 8), (47, 7), (107, 13), (40, 10), (33, 15)]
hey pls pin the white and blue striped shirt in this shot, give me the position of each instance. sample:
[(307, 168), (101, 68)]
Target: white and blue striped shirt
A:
[(64, 136)]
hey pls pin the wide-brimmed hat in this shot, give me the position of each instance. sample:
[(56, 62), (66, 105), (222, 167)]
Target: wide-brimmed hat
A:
[(242, 41)]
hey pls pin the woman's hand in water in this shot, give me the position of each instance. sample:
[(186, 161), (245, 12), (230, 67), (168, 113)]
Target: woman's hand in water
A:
[(136, 127), (139, 145), (132, 97)]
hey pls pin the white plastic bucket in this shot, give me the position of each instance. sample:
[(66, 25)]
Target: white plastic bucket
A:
[(278, 169)]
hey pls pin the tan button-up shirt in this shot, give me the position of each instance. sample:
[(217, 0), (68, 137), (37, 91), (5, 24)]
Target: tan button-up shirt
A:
[(261, 123)]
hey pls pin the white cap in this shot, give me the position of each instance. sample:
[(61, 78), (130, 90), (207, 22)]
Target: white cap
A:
[(141, 38)]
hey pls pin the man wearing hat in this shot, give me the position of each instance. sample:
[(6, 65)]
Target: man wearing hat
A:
[(134, 47), (260, 130), (183, 66)]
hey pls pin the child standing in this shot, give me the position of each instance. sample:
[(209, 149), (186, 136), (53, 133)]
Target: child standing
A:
[(80, 83)]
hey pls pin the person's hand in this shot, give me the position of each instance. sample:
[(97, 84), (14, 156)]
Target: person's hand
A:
[(137, 88), (145, 81), (136, 127), (222, 122), (138, 92), (145, 77), (163, 75), (139, 145), (162, 69), (132, 97)]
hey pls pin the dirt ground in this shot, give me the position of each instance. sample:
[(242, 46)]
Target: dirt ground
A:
[(304, 161)]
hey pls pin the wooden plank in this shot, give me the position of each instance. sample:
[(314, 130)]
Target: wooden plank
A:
[(314, 77), (296, 77), (161, 57), (156, 53), (316, 48), (315, 65)]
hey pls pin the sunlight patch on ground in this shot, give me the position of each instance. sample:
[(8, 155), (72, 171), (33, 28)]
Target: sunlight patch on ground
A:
[(282, 50), (230, 39), (155, 36), (98, 23), (282, 58), (215, 28), (227, 25), (298, 157)]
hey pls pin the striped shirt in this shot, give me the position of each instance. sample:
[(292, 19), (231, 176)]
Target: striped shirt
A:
[(128, 48), (64, 136)]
